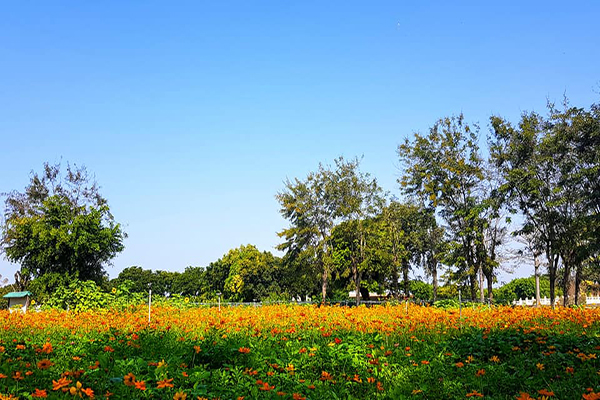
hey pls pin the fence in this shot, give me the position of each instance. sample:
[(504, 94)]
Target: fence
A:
[(589, 300)]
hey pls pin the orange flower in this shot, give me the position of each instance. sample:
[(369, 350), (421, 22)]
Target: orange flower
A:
[(495, 359), (474, 393), (326, 376), (39, 393), (524, 396), (165, 383), (298, 396), (18, 376), (140, 385), (129, 379), (20, 347), (61, 383), (480, 372), (459, 364), (44, 364), (46, 348), (424, 362), (569, 370), (198, 349), (540, 366), (244, 350), (266, 387), (544, 392)]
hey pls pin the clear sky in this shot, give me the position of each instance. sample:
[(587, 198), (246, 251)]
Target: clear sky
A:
[(193, 114)]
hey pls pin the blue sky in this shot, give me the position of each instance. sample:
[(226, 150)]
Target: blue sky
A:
[(193, 114)]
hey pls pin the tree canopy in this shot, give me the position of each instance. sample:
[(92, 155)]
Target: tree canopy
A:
[(60, 224)]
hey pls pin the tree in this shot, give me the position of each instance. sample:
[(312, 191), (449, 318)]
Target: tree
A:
[(360, 254), (315, 206), (432, 240), (443, 171), (359, 199), (310, 208), (60, 224), (253, 275), (404, 229), (550, 165)]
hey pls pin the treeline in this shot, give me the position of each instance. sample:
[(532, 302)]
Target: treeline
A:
[(457, 207), (460, 212)]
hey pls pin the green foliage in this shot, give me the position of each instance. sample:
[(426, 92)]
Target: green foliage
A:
[(60, 227), (252, 275), (550, 164), (444, 171), (46, 285), (78, 296), (446, 303), (421, 290), (522, 288)]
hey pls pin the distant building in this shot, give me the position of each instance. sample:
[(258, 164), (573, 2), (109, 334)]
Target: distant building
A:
[(372, 296)]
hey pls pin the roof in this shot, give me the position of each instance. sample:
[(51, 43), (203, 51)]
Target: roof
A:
[(16, 294)]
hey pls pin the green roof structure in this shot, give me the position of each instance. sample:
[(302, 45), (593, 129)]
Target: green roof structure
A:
[(13, 295)]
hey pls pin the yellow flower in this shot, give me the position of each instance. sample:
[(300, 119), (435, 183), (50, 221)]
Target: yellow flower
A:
[(114, 290), (180, 396), (540, 366)]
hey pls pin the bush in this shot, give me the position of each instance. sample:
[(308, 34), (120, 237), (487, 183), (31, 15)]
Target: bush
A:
[(522, 288), (421, 290)]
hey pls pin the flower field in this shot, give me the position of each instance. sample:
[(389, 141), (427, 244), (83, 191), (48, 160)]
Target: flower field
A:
[(302, 352)]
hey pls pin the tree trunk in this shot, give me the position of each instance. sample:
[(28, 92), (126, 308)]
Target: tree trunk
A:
[(396, 278), (324, 285), (405, 278), (473, 284), (490, 283), (552, 262), (433, 269), (566, 281), (577, 283), (536, 262), (481, 286), (357, 278)]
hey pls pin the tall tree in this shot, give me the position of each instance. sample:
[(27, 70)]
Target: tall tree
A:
[(551, 169), (60, 224), (444, 171), (310, 207), (359, 198)]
